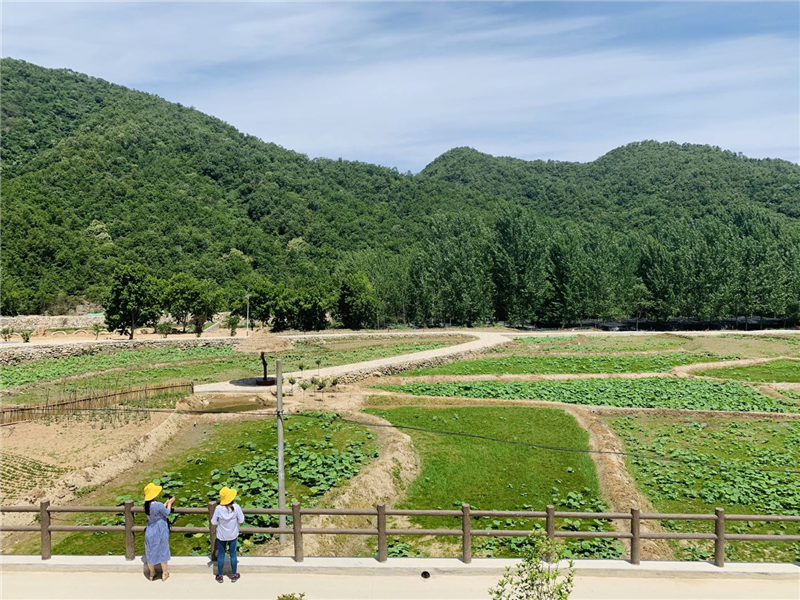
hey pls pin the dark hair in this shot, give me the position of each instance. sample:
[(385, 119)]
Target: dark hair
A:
[(230, 506), (147, 507)]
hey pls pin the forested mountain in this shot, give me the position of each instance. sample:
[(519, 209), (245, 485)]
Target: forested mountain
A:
[(96, 176)]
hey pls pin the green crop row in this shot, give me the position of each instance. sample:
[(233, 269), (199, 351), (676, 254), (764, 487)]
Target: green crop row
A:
[(532, 365), (743, 467), (655, 392), (773, 371)]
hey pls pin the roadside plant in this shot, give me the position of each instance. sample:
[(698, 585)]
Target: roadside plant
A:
[(304, 385), (5, 333), (163, 329), (537, 576), (292, 381), (96, 330), (300, 596), (302, 368), (334, 382), (321, 383), (319, 362), (26, 335)]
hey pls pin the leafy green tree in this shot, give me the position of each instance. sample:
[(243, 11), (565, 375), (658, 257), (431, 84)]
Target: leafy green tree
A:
[(357, 305), (132, 301), (181, 294), (206, 301)]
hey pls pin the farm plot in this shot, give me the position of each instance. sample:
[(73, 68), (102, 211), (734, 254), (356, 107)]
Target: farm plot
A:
[(770, 372), (537, 365), (495, 475), (726, 461), (604, 344), (650, 392), (20, 475), (45, 378), (322, 452)]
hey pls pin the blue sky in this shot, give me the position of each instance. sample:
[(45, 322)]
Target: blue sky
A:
[(400, 83)]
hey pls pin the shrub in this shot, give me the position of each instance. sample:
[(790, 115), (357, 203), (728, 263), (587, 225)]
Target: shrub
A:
[(97, 329), (26, 335), (163, 329), (536, 576), (300, 596), (6, 332)]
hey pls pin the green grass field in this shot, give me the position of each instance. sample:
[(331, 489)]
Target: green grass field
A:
[(773, 371), (536, 365), (725, 457), (602, 344), (494, 475), (322, 452), (650, 392), (202, 365)]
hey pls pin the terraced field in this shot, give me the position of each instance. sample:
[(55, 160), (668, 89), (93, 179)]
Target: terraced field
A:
[(37, 381), (495, 475), (322, 452), (740, 465), (773, 371), (20, 475), (692, 394), (537, 365)]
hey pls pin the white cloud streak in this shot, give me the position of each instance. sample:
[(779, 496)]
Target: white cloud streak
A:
[(399, 84)]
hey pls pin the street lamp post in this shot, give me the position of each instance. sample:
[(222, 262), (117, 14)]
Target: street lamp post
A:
[(247, 321)]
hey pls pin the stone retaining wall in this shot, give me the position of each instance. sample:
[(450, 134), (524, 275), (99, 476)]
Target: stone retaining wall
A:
[(19, 354), (50, 322), (420, 363)]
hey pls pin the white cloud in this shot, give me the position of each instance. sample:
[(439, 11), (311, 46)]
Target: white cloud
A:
[(399, 84)]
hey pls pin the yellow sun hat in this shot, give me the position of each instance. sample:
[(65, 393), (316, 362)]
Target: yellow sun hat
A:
[(151, 490), (226, 496)]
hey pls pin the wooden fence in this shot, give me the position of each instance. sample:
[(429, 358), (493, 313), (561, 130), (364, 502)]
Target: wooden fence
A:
[(32, 412), (635, 535)]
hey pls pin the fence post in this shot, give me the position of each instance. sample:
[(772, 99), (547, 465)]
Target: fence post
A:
[(212, 530), (383, 551), (719, 543), (130, 551), (298, 535), (551, 521), (466, 535), (44, 520), (635, 540)]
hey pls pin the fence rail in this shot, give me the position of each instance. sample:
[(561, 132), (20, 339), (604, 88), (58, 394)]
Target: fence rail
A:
[(380, 512), (19, 414)]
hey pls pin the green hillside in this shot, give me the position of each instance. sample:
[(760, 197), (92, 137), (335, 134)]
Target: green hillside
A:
[(96, 175)]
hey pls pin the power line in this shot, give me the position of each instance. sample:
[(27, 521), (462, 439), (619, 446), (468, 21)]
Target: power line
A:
[(486, 438)]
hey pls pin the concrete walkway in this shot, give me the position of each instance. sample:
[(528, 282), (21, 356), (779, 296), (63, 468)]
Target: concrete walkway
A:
[(111, 577), (485, 340)]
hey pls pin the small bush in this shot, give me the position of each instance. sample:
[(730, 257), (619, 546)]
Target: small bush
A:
[(536, 576), (26, 335), (6, 333), (163, 329), (96, 330), (232, 322), (292, 597)]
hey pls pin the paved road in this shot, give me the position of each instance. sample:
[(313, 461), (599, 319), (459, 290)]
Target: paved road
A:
[(195, 586)]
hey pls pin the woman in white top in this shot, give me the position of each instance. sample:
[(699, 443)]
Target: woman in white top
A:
[(227, 517)]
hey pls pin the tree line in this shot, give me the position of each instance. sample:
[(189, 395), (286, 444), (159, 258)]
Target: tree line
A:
[(516, 268)]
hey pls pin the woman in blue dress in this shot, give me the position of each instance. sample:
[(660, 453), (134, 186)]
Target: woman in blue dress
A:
[(156, 534)]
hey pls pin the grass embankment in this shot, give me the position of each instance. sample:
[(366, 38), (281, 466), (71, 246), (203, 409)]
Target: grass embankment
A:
[(725, 457), (651, 392), (770, 372), (321, 452), (495, 475), (538, 365), (202, 365)]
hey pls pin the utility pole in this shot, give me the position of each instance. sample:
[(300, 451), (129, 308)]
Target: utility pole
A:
[(281, 477), (247, 321)]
